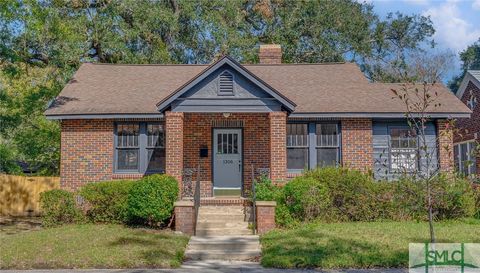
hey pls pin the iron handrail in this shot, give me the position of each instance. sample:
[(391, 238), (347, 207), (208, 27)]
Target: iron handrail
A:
[(196, 199), (254, 200)]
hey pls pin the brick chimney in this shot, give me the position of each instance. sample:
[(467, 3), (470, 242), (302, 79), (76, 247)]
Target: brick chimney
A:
[(270, 54)]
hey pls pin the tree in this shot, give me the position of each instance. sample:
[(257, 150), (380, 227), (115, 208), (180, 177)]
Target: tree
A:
[(42, 43), (470, 58), (397, 41)]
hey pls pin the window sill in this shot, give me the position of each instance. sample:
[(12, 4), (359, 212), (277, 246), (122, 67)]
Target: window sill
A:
[(127, 175)]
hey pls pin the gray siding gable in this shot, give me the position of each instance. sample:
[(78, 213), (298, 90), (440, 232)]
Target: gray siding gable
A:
[(205, 96), (381, 148)]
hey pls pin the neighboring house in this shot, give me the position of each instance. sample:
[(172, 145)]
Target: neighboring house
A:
[(467, 159), (125, 121)]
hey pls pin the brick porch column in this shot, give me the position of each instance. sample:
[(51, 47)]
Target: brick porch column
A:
[(445, 146), (278, 148), (357, 143), (174, 145)]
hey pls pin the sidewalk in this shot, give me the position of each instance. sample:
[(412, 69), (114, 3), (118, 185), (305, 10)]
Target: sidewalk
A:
[(211, 266)]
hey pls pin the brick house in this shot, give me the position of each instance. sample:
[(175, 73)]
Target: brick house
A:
[(232, 120), (467, 160)]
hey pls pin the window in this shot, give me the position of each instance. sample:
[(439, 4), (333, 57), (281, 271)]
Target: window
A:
[(227, 144), (140, 147), (225, 85), (403, 150), (312, 144), (327, 147), (127, 146), (297, 146), (155, 147), (472, 101), (465, 158)]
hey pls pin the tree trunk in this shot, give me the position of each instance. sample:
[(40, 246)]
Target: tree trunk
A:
[(430, 214)]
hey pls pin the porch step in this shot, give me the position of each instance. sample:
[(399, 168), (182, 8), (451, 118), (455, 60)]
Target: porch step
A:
[(223, 231), (223, 247), (224, 201), (205, 225)]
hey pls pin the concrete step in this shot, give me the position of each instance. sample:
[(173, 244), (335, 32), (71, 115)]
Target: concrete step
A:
[(246, 242), (220, 218), (218, 225), (221, 209), (223, 231), (226, 246), (222, 254), (221, 239)]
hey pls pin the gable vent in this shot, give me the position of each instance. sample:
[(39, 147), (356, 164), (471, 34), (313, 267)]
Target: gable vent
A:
[(226, 84)]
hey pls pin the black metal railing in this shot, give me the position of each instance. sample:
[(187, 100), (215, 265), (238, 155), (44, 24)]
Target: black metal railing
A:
[(254, 201), (196, 199), (188, 187)]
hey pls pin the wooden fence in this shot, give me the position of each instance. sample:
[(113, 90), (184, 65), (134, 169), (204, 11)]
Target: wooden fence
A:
[(20, 195)]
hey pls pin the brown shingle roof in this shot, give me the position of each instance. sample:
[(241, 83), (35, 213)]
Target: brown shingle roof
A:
[(314, 88)]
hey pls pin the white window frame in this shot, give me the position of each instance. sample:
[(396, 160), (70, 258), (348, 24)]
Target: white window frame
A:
[(471, 157)]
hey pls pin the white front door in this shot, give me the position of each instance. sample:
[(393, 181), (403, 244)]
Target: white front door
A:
[(227, 158)]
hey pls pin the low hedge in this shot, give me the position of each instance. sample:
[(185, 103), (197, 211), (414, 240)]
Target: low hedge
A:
[(339, 194), (151, 200), (59, 207), (107, 201)]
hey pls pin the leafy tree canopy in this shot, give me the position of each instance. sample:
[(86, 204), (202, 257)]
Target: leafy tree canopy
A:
[(470, 58), (42, 43)]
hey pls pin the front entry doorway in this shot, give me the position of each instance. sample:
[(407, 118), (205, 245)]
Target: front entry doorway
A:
[(227, 162)]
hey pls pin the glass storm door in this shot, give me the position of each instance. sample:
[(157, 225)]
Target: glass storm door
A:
[(227, 158)]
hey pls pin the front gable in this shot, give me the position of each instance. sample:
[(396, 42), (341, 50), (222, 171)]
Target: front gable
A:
[(226, 86)]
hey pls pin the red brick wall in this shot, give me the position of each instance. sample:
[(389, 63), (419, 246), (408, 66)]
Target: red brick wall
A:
[(198, 133), (357, 143), (86, 152), (470, 126), (445, 145), (265, 213), (174, 130), (278, 149)]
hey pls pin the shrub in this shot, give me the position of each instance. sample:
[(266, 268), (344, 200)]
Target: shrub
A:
[(352, 193), (151, 200), (306, 198), (107, 201), (454, 197), (267, 191), (58, 207)]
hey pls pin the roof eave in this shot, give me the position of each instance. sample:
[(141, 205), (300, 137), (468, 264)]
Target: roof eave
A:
[(376, 115), (102, 116)]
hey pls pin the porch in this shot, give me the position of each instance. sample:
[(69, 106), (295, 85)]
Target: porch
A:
[(225, 152)]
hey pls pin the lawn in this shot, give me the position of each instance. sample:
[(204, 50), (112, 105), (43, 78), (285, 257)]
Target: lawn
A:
[(92, 246), (357, 244)]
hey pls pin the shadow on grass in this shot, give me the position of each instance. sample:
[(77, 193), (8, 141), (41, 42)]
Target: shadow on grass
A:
[(305, 249)]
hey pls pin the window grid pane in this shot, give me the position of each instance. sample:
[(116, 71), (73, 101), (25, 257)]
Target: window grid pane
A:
[(155, 136), (403, 150), (327, 135), (297, 135), (327, 157), (297, 158), (128, 135)]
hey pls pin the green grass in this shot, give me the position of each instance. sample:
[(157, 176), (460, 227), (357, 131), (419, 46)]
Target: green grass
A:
[(92, 246), (357, 244)]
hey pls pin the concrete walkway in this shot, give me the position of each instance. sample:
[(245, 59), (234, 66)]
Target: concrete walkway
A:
[(209, 266)]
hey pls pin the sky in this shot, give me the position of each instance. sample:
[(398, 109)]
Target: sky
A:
[(456, 22)]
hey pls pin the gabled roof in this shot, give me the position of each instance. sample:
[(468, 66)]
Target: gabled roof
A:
[(321, 90), (286, 102), (470, 76)]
